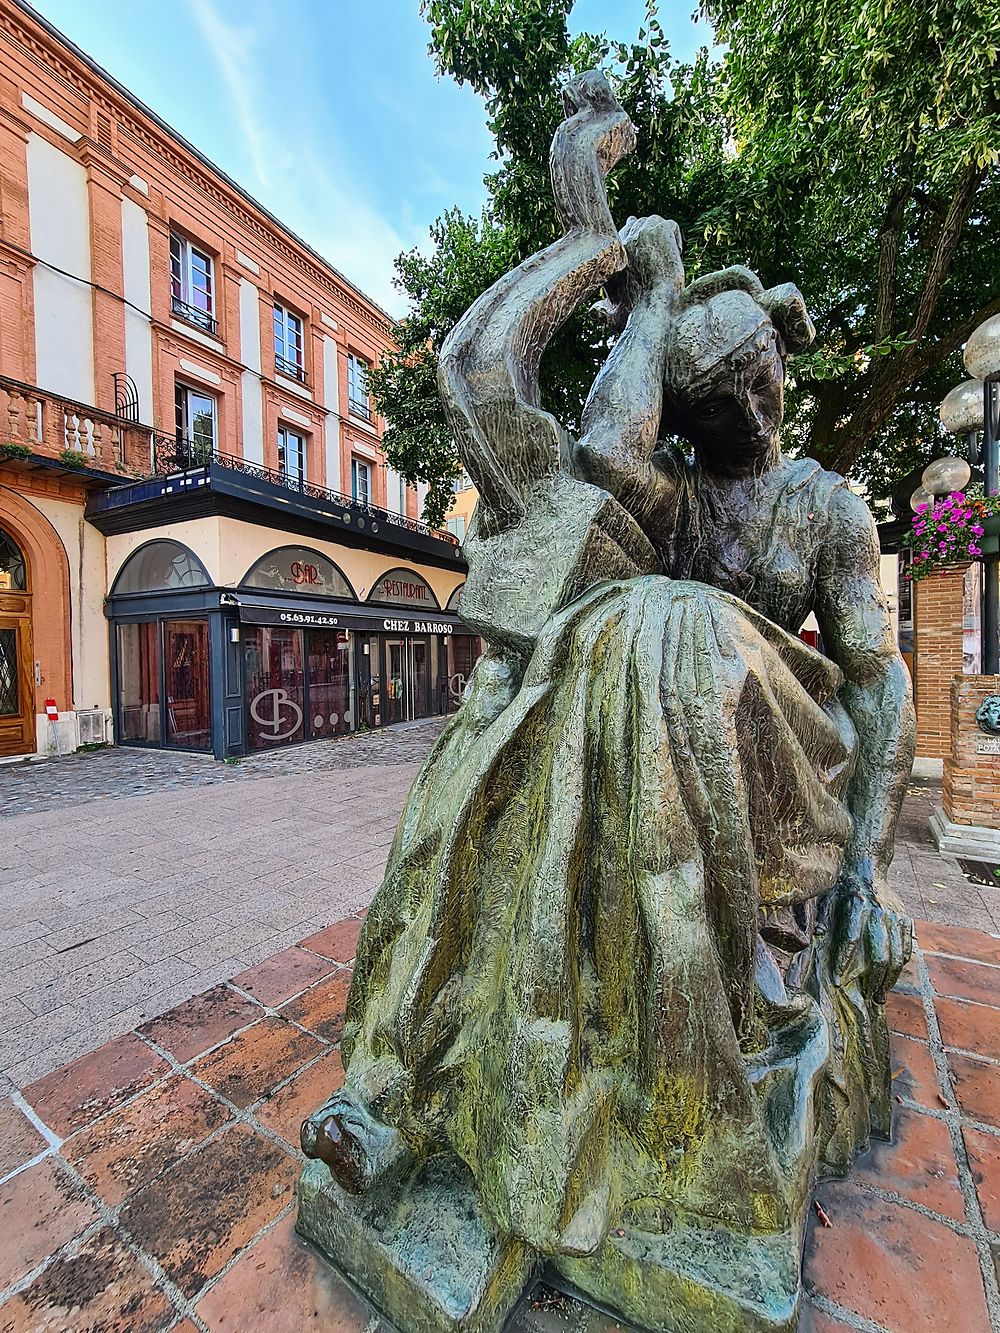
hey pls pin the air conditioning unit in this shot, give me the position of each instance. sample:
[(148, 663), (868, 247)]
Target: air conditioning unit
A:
[(94, 726)]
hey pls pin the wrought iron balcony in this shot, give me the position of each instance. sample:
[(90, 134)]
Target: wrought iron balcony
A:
[(193, 315), (291, 369), (358, 409), (175, 455)]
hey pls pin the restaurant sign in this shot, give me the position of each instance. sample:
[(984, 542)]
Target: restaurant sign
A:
[(275, 615)]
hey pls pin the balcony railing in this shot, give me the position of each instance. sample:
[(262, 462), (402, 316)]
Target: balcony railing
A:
[(359, 409), (50, 425), (174, 455), (291, 369), (193, 315)]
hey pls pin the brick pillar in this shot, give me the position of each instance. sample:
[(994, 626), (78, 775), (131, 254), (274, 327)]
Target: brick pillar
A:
[(937, 656), (971, 787)]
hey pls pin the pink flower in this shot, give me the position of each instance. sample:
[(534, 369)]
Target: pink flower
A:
[(925, 555), (921, 508), (974, 549), (976, 530)]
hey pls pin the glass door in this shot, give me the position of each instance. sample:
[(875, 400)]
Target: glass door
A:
[(272, 659), (368, 692), (397, 678), (187, 684), (419, 678), (139, 683), (328, 654)]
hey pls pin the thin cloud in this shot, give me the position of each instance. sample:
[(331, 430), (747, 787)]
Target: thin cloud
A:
[(313, 192)]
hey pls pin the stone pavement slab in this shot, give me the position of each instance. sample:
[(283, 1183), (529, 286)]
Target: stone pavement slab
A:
[(149, 1184)]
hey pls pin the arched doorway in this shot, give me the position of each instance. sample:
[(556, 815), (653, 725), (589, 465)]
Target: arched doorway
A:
[(17, 684)]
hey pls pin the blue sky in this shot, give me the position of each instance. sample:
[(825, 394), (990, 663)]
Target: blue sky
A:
[(327, 111)]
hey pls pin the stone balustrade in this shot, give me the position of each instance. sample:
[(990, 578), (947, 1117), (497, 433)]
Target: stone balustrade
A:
[(49, 425)]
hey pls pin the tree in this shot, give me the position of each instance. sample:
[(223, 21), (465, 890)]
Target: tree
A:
[(850, 147)]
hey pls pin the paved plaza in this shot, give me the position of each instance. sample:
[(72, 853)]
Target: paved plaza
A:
[(176, 945), (133, 879)]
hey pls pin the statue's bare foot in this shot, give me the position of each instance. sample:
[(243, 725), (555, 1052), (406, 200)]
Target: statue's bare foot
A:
[(356, 1146)]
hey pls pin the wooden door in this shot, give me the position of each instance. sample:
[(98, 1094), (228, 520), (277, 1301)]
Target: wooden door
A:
[(17, 679)]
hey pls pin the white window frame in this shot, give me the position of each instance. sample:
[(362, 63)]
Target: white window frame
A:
[(187, 441), (289, 336), (293, 454), (360, 467), (358, 395), (183, 287)]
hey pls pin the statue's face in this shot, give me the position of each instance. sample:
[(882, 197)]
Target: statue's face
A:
[(741, 413)]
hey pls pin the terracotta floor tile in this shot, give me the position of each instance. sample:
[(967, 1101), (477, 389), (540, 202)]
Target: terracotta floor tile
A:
[(984, 1160), (909, 978), (78, 1093), (893, 1265), (914, 1073), (905, 1013), (977, 1087), (98, 1288), (283, 1287), (964, 981), (959, 940), (40, 1210), (322, 1008), (284, 975), (256, 1060), (919, 1164), (201, 1022), (202, 1212), (127, 1149), (19, 1139), (296, 1101), (812, 1320), (969, 1027), (339, 941)]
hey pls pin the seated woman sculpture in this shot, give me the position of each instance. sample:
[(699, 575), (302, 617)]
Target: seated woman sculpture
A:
[(629, 957)]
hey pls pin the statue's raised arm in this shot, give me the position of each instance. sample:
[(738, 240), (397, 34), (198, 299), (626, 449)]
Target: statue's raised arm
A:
[(540, 537)]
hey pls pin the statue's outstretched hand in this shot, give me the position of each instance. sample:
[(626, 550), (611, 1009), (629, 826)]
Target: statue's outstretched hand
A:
[(871, 936)]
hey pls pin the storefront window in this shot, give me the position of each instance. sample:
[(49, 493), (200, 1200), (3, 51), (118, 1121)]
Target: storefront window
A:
[(274, 686), (403, 587), (299, 569), (161, 566), (139, 683), (463, 653), (329, 683), (188, 692)]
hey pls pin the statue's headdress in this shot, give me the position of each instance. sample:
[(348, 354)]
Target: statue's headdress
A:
[(723, 314)]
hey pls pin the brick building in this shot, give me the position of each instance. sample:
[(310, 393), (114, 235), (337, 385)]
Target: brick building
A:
[(199, 535)]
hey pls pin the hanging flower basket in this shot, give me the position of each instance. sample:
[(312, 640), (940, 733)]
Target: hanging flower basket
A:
[(951, 532)]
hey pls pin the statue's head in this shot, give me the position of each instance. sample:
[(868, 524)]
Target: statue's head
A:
[(988, 715), (726, 364)]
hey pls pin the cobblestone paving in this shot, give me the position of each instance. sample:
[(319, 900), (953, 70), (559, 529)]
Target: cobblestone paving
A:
[(51, 784)]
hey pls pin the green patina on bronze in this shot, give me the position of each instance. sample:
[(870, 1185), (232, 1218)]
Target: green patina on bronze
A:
[(619, 998)]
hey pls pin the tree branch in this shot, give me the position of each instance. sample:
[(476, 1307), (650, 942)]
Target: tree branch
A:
[(948, 239)]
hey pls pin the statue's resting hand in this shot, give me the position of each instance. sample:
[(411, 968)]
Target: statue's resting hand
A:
[(871, 936)]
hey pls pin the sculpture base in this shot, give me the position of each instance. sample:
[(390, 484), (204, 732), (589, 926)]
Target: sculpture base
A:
[(690, 1279), (421, 1249), (418, 1246)]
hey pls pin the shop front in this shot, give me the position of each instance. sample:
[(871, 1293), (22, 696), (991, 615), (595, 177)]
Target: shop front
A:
[(291, 654)]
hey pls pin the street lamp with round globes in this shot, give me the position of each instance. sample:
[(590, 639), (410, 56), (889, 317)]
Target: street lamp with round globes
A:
[(921, 496), (946, 475), (968, 408)]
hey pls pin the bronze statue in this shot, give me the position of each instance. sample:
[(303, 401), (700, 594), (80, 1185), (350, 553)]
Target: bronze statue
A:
[(620, 995)]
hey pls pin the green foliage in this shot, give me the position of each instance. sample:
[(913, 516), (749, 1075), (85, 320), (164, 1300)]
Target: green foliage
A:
[(73, 458), (13, 450), (850, 147)]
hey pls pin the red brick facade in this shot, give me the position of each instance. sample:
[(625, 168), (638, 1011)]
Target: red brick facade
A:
[(971, 789), (938, 617)]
